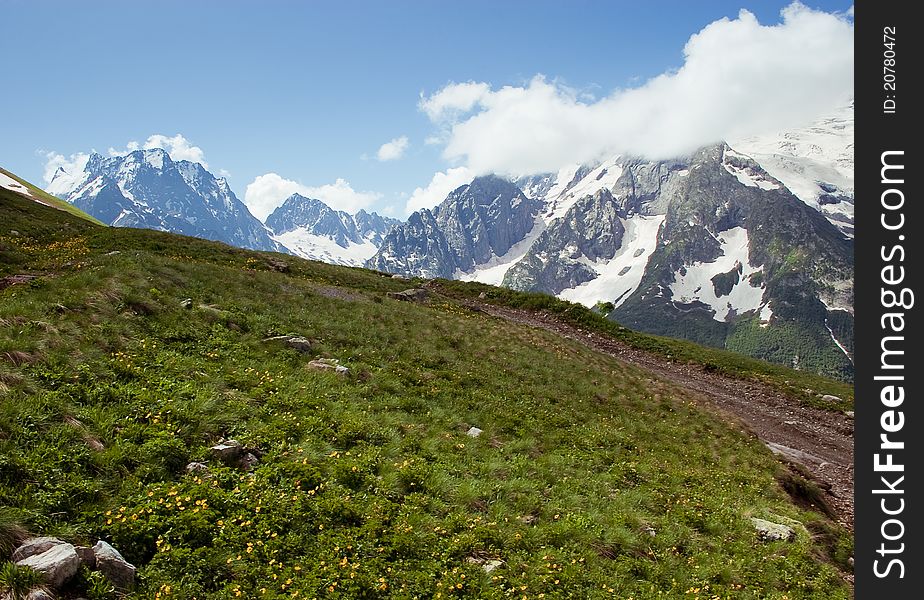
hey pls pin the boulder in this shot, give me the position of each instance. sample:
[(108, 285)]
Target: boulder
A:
[(473, 432), (197, 467), (116, 569), (769, 531), (228, 451), (57, 564), (413, 295), (831, 398), (33, 546), (87, 556)]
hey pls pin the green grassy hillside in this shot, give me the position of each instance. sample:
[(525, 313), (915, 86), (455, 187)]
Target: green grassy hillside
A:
[(41, 195), (589, 479)]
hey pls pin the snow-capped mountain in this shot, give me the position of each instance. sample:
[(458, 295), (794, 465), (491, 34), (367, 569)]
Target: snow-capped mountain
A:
[(746, 247), (814, 162), (474, 224), (147, 189), (311, 229)]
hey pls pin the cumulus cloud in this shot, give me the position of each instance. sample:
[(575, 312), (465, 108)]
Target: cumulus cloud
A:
[(738, 78), (72, 165), (267, 192), (439, 187), (177, 146), (392, 150)]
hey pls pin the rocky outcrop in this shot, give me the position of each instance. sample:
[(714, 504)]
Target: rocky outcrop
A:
[(474, 223), (563, 255), (769, 531)]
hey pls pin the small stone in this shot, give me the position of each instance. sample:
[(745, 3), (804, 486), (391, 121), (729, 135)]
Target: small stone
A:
[(848, 414), (39, 594), (33, 546), (831, 398), (87, 556), (850, 561), (57, 564), (299, 343), (769, 531), (413, 295), (113, 253), (197, 467), (15, 233), (529, 519), (650, 531), (229, 451), (474, 432), (482, 295), (328, 364), (186, 303), (116, 569), (249, 461), (488, 564)]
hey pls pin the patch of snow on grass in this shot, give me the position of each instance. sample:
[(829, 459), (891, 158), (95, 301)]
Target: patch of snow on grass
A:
[(613, 280), (696, 284), (11, 184)]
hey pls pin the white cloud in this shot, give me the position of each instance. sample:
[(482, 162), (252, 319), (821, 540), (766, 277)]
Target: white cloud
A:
[(453, 99), (73, 165), (393, 150), (267, 192), (439, 187), (739, 78), (178, 147)]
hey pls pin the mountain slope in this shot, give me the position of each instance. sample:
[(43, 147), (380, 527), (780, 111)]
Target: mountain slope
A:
[(311, 229), (147, 189), (485, 218), (588, 473), (21, 186)]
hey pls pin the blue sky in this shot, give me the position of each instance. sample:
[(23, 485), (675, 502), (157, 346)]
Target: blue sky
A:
[(310, 91)]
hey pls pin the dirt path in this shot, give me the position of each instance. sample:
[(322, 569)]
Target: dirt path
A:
[(821, 441)]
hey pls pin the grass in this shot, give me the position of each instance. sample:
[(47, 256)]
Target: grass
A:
[(806, 386), (589, 481), (43, 196)]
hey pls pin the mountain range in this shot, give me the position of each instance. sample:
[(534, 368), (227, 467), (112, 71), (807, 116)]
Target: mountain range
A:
[(745, 245)]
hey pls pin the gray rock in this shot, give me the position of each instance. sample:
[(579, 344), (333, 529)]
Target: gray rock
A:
[(113, 566), (228, 451), (87, 556), (848, 414), (197, 467), (769, 531), (249, 462), (831, 398), (329, 364), (186, 303), (39, 594), (57, 564), (473, 432), (414, 295), (33, 546), (296, 342), (650, 531), (299, 343), (487, 564), (113, 253)]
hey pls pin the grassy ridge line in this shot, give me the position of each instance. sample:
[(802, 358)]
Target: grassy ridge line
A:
[(43, 196), (806, 386), (589, 480)]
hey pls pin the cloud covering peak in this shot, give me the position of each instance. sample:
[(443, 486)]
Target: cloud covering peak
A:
[(739, 78)]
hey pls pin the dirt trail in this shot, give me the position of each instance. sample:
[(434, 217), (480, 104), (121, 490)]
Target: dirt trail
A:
[(821, 441)]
